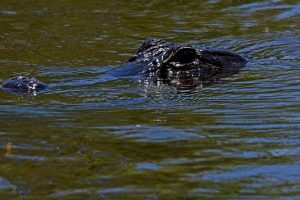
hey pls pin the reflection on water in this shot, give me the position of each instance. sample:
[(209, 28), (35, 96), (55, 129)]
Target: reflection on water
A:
[(91, 135)]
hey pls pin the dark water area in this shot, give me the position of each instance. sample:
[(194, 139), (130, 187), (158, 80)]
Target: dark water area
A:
[(90, 136)]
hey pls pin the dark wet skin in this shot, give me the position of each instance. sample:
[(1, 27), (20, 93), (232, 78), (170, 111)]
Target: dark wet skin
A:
[(179, 64), (23, 84), (158, 61)]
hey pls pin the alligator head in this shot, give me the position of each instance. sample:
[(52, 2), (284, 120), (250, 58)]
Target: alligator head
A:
[(182, 62), (161, 62)]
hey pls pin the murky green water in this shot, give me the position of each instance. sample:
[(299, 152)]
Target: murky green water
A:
[(90, 137)]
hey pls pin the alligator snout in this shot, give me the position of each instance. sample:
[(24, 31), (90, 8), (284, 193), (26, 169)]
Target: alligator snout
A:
[(23, 84)]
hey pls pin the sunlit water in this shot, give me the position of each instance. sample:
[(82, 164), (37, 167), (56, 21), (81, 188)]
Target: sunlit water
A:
[(92, 136)]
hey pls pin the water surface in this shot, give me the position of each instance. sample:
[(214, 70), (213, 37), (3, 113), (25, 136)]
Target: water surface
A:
[(90, 136)]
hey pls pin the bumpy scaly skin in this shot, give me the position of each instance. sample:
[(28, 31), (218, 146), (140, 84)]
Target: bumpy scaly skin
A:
[(161, 62), (23, 84)]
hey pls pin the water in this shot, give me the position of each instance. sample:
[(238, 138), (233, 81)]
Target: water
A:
[(90, 136)]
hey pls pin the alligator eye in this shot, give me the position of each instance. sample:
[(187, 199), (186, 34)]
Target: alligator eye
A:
[(183, 56)]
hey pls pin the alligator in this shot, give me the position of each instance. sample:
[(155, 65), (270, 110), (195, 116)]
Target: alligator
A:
[(160, 62)]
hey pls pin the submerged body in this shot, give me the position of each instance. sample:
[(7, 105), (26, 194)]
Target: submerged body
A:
[(161, 62)]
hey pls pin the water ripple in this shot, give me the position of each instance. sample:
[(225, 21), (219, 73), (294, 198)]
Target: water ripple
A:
[(92, 135)]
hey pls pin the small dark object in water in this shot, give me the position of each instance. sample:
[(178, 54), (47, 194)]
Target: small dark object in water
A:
[(23, 84)]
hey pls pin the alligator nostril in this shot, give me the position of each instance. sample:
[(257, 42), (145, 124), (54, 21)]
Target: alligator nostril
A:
[(23, 84)]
